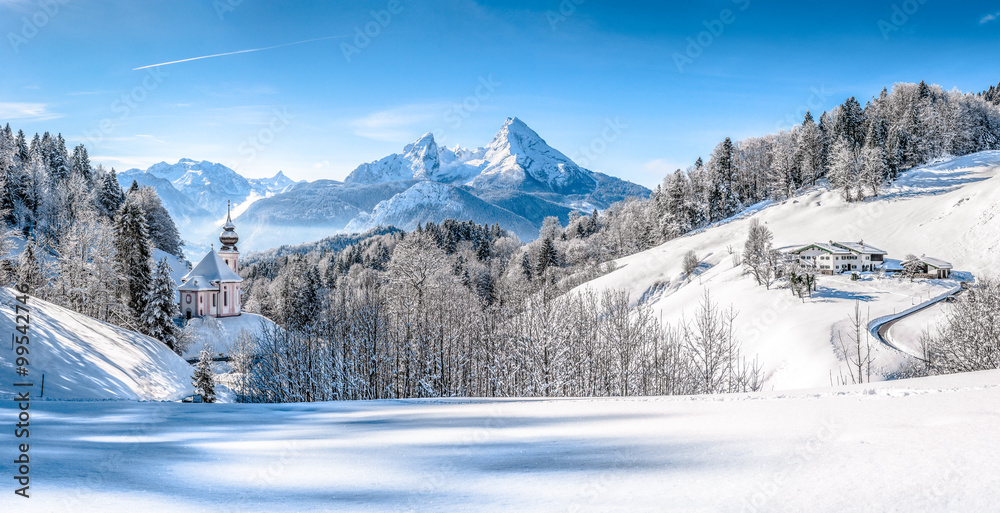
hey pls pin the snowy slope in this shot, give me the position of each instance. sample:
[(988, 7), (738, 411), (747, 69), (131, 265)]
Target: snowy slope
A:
[(907, 332), (911, 445), (221, 334), (949, 210), (83, 358)]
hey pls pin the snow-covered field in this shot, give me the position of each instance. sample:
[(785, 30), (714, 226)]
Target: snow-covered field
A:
[(949, 210), (83, 358), (914, 445), (221, 334)]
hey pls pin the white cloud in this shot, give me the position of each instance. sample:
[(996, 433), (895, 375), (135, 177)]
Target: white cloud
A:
[(25, 110), (321, 165), (400, 124), (990, 17), (121, 162), (660, 167)]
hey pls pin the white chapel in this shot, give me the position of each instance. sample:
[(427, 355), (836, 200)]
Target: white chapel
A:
[(213, 287)]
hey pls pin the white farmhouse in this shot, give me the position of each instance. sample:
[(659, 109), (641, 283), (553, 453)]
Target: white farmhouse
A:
[(839, 257)]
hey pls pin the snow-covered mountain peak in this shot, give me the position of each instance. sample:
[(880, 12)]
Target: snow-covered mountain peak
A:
[(515, 136), (424, 157), (518, 158), (425, 143), (276, 184), (420, 160)]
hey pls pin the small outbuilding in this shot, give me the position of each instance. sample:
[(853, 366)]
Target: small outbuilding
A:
[(935, 268)]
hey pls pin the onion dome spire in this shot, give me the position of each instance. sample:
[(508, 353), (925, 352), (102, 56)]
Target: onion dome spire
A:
[(228, 237)]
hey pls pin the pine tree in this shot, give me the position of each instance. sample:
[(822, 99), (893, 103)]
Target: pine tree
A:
[(29, 268), (850, 123), (546, 256), (158, 321), (723, 200), (526, 266), (56, 157), (483, 252), (162, 231), (111, 196), (810, 150), (22, 152), (203, 378), (133, 251), (81, 163)]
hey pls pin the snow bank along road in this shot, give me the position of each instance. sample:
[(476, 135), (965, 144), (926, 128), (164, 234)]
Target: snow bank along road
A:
[(916, 445), (879, 328)]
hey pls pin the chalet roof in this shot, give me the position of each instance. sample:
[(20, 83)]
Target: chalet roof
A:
[(829, 248), (208, 273), (861, 247), (936, 263)]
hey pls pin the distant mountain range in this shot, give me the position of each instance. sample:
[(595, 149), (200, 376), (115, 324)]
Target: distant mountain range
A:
[(196, 194), (517, 180)]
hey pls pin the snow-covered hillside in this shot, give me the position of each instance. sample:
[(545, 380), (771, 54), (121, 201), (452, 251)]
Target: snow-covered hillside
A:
[(221, 334), (949, 210), (516, 181), (912, 445), (83, 358)]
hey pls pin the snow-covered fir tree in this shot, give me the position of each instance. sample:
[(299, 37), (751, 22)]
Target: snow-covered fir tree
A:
[(29, 268), (809, 150), (111, 196), (161, 307), (133, 250), (203, 378)]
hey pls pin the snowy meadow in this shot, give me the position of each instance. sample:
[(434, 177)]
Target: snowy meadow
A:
[(918, 445)]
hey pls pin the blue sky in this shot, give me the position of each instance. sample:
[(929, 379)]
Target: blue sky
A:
[(568, 68)]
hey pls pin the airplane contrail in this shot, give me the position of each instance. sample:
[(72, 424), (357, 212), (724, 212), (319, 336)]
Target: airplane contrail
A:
[(240, 51)]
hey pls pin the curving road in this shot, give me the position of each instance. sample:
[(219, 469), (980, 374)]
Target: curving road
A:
[(879, 327)]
